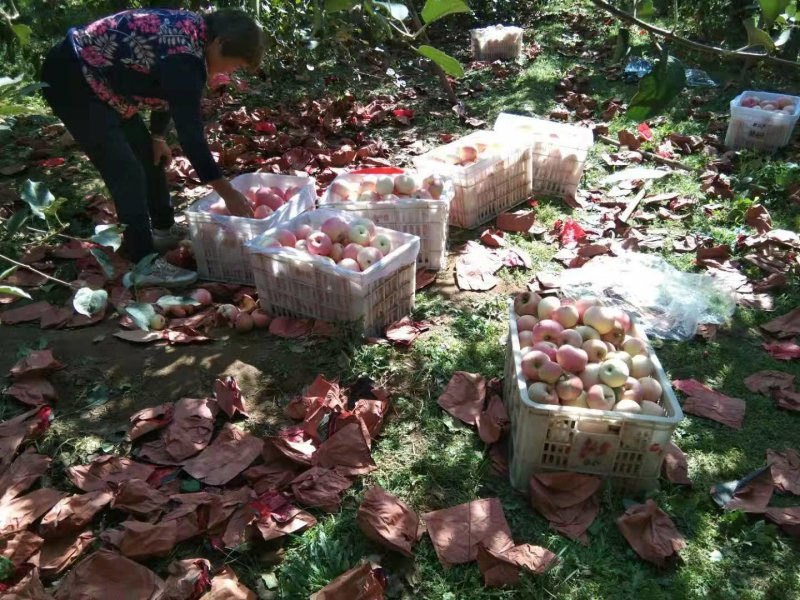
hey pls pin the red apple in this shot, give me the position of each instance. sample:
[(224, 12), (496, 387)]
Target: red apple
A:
[(335, 228), (542, 393), (319, 244), (651, 389), (368, 256), (262, 212), (566, 315), (301, 245), (599, 317), (351, 251), (569, 388), (549, 372), (548, 348), (286, 238), (628, 406), (302, 231), (532, 362), (526, 323), (600, 397), (583, 303), (546, 330), (349, 264), (266, 197), (572, 359), (526, 303), (570, 337), (596, 350), (749, 102), (615, 336), (632, 390), (525, 338)]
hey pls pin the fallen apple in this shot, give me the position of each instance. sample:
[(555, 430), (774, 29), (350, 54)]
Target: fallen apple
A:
[(244, 322), (203, 296), (157, 322), (261, 319)]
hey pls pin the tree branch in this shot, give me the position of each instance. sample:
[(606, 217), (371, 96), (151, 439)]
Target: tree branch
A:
[(45, 275), (623, 16)]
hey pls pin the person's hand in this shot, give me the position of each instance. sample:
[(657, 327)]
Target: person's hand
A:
[(162, 155), (237, 204)]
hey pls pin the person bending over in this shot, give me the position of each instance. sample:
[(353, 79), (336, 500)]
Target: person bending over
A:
[(103, 75)]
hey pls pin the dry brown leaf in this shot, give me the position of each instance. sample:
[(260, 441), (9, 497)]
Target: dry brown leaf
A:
[(758, 217), (292, 443), (73, 513), (106, 574), (782, 350), (387, 520), (457, 532), (187, 579), (139, 499), (787, 519), (568, 500), (29, 588), (405, 331), (137, 539), (651, 533), (39, 363), (20, 547), (320, 488), (229, 454), (705, 402), (106, 470), (25, 314), (502, 568), (493, 421), (22, 474), (365, 582), (150, 419), (347, 451), (229, 397), (675, 467), (19, 513), (225, 586), (785, 469), (463, 398), (33, 391), (516, 222), (754, 496), (763, 382), (59, 553), (188, 433), (787, 325)]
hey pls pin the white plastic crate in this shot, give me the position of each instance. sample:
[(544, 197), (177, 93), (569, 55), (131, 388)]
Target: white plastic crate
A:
[(496, 42), (625, 447), (760, 129), (218, 240), (557, 152), (495, 183), (426, 219), (291, 282)]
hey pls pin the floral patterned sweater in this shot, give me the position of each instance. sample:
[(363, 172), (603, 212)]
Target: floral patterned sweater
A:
[(151, 59)]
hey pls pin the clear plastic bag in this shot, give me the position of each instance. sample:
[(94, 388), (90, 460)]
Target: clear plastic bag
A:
[(668, 303)]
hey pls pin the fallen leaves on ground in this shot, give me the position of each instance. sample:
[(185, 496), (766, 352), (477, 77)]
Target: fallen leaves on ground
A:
[(464, 396), (751, 494), (787, 325), (782, 350), (568, 500), (763, 382), (785, 470), (405, 331), (502, 568), (457, 532), (187, 579), (365, 582), (493, 421), (387, 520), (106, 470), (702, 401), (651, 533), (787, 519), (229, 397), (188, 432), (74, 513), (231, 452), (22, 474), (106, 574), (19, 513), (675, 467), (60, 553)]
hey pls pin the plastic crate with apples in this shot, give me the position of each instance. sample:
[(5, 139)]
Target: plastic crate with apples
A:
[(218, 238), (338, 267), (496, 42), (558, 152), (762, 120), (490, 174), (585, 393), (398, 199)]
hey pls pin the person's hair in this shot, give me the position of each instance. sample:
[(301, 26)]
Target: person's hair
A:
[(241, 36)]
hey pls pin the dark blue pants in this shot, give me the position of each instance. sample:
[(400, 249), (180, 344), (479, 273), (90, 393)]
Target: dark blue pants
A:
[(121, 149)]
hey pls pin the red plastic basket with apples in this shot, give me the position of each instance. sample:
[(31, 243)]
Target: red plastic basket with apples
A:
[(490, 174), (762, 120), (399, 199), (218, 238), (577, 405), (338, 267)]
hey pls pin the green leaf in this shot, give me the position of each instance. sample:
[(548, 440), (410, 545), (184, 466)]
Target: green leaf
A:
[(623, 46), (339, 5), (108, 235), (448, 64), (772, 9), (105, 262), (37, 197), (141, 313), (8, 272), (7, 568), (783, 38), (30, 88), (657, 89), (436, 9), (396, 10), (23, 33), (756, 36), (166, 301), (14, 291), (90, 302), (189, 486), (644, 9), (17, 220), (97, 396)]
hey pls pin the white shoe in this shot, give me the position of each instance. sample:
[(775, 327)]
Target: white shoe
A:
[(162, 274)]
